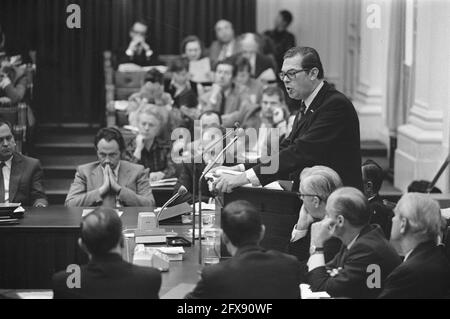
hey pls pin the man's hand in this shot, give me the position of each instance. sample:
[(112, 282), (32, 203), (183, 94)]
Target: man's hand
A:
[(104, 189), (304, 219), (156, 176), (114, 185), (321, 232), (235, 168), (226, 183)]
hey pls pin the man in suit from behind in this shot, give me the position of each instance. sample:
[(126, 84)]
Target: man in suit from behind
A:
[(372, 175), (20, 176), (325, 131), (425, 271), (110, 181), (107, 275), (366, 257), (252, 272)]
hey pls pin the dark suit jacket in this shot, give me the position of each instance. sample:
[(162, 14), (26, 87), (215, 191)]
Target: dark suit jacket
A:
[(133, 178), (215, 49), (110, 277), (328, 134), (252, 273), (139, 59), (425, 274), (381, 215), (25, 185), (370, 248)]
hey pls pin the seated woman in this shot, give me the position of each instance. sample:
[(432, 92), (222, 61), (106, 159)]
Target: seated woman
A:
[(244, 78), (13, 81), (149, 148), (199, 66), (182, 90)]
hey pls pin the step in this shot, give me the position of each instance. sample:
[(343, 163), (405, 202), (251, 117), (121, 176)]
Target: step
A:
[(63, 166), (42, 149), (373, 149), (57, 189), (68, 128)]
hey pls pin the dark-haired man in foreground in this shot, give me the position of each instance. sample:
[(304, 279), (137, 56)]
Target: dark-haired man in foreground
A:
[(252, 272), (107, 275)]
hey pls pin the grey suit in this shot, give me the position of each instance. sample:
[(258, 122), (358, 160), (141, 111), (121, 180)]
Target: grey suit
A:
[(133, 178)]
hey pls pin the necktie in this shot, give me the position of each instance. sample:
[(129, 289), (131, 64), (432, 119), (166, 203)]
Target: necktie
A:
[(2, 183), (303, 108), (222, 103)]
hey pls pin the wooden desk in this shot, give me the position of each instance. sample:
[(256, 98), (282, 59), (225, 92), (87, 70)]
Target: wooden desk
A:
[(46, 242)]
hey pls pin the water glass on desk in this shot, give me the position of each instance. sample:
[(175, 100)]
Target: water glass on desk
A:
[(211, 247)]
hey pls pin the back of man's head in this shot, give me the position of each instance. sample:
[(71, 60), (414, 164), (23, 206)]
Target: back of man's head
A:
[(101, 231), (241, 223), (372, 173), (423, 214), (351, 204)]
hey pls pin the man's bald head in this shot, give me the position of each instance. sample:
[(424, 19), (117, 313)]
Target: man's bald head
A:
[(350, 203), (101, 231)]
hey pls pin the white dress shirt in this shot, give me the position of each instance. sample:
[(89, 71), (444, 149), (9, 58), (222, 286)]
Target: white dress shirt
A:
[(6, 170), (250, 173)]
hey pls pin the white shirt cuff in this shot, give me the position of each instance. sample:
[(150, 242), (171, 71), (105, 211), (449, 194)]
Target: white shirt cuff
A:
[(316, 261), (298, 234), (251, 176), (129, 52), (241, 168)]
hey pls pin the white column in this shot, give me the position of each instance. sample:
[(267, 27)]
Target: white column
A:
[(423, 142), (370, 96)]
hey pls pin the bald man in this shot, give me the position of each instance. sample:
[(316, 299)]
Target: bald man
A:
[(107, 275), (366, 257), (225, 45)]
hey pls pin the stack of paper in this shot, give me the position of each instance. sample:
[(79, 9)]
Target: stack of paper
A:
[(164, 182), (306, 293), (174, 253)]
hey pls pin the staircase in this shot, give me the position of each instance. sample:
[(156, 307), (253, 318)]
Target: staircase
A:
[(61, 148)]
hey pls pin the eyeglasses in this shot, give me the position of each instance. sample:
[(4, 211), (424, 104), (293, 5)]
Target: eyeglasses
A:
[(301, 195), (290, 74)]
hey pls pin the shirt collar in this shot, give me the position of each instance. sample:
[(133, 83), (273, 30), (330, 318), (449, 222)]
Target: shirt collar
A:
[(312, 96), (352, 242)]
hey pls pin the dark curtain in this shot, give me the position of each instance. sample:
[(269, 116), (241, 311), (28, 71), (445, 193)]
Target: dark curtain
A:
[(69, 80)]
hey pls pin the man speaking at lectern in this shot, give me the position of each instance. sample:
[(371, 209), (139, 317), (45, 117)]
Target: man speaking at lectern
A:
[(325, 131)]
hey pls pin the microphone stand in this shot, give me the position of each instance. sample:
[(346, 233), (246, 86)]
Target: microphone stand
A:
[(207, 169), (194, 183)]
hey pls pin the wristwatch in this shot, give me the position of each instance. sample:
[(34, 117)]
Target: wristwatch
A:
[(315, 250)]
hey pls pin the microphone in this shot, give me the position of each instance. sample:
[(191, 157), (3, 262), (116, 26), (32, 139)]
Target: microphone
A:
[(238, 133), (229, 133), (181, 191)]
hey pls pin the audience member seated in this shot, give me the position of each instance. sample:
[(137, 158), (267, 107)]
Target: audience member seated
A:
[(149, 148), (364, 245), (110, 181), (225, 46), (138, 50), (244, 78), (20, 176), (199, 66), (225, 96), (316, 185), (182, 90), (372, 175), (249, 47), (252, 272), (107, 275), (425, 271), (211, 131), (13, 81), (271, 114), (153, 92), (282, 39)]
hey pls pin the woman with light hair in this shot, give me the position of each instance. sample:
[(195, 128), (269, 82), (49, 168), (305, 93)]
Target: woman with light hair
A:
[(316, 185), (149, 148)]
